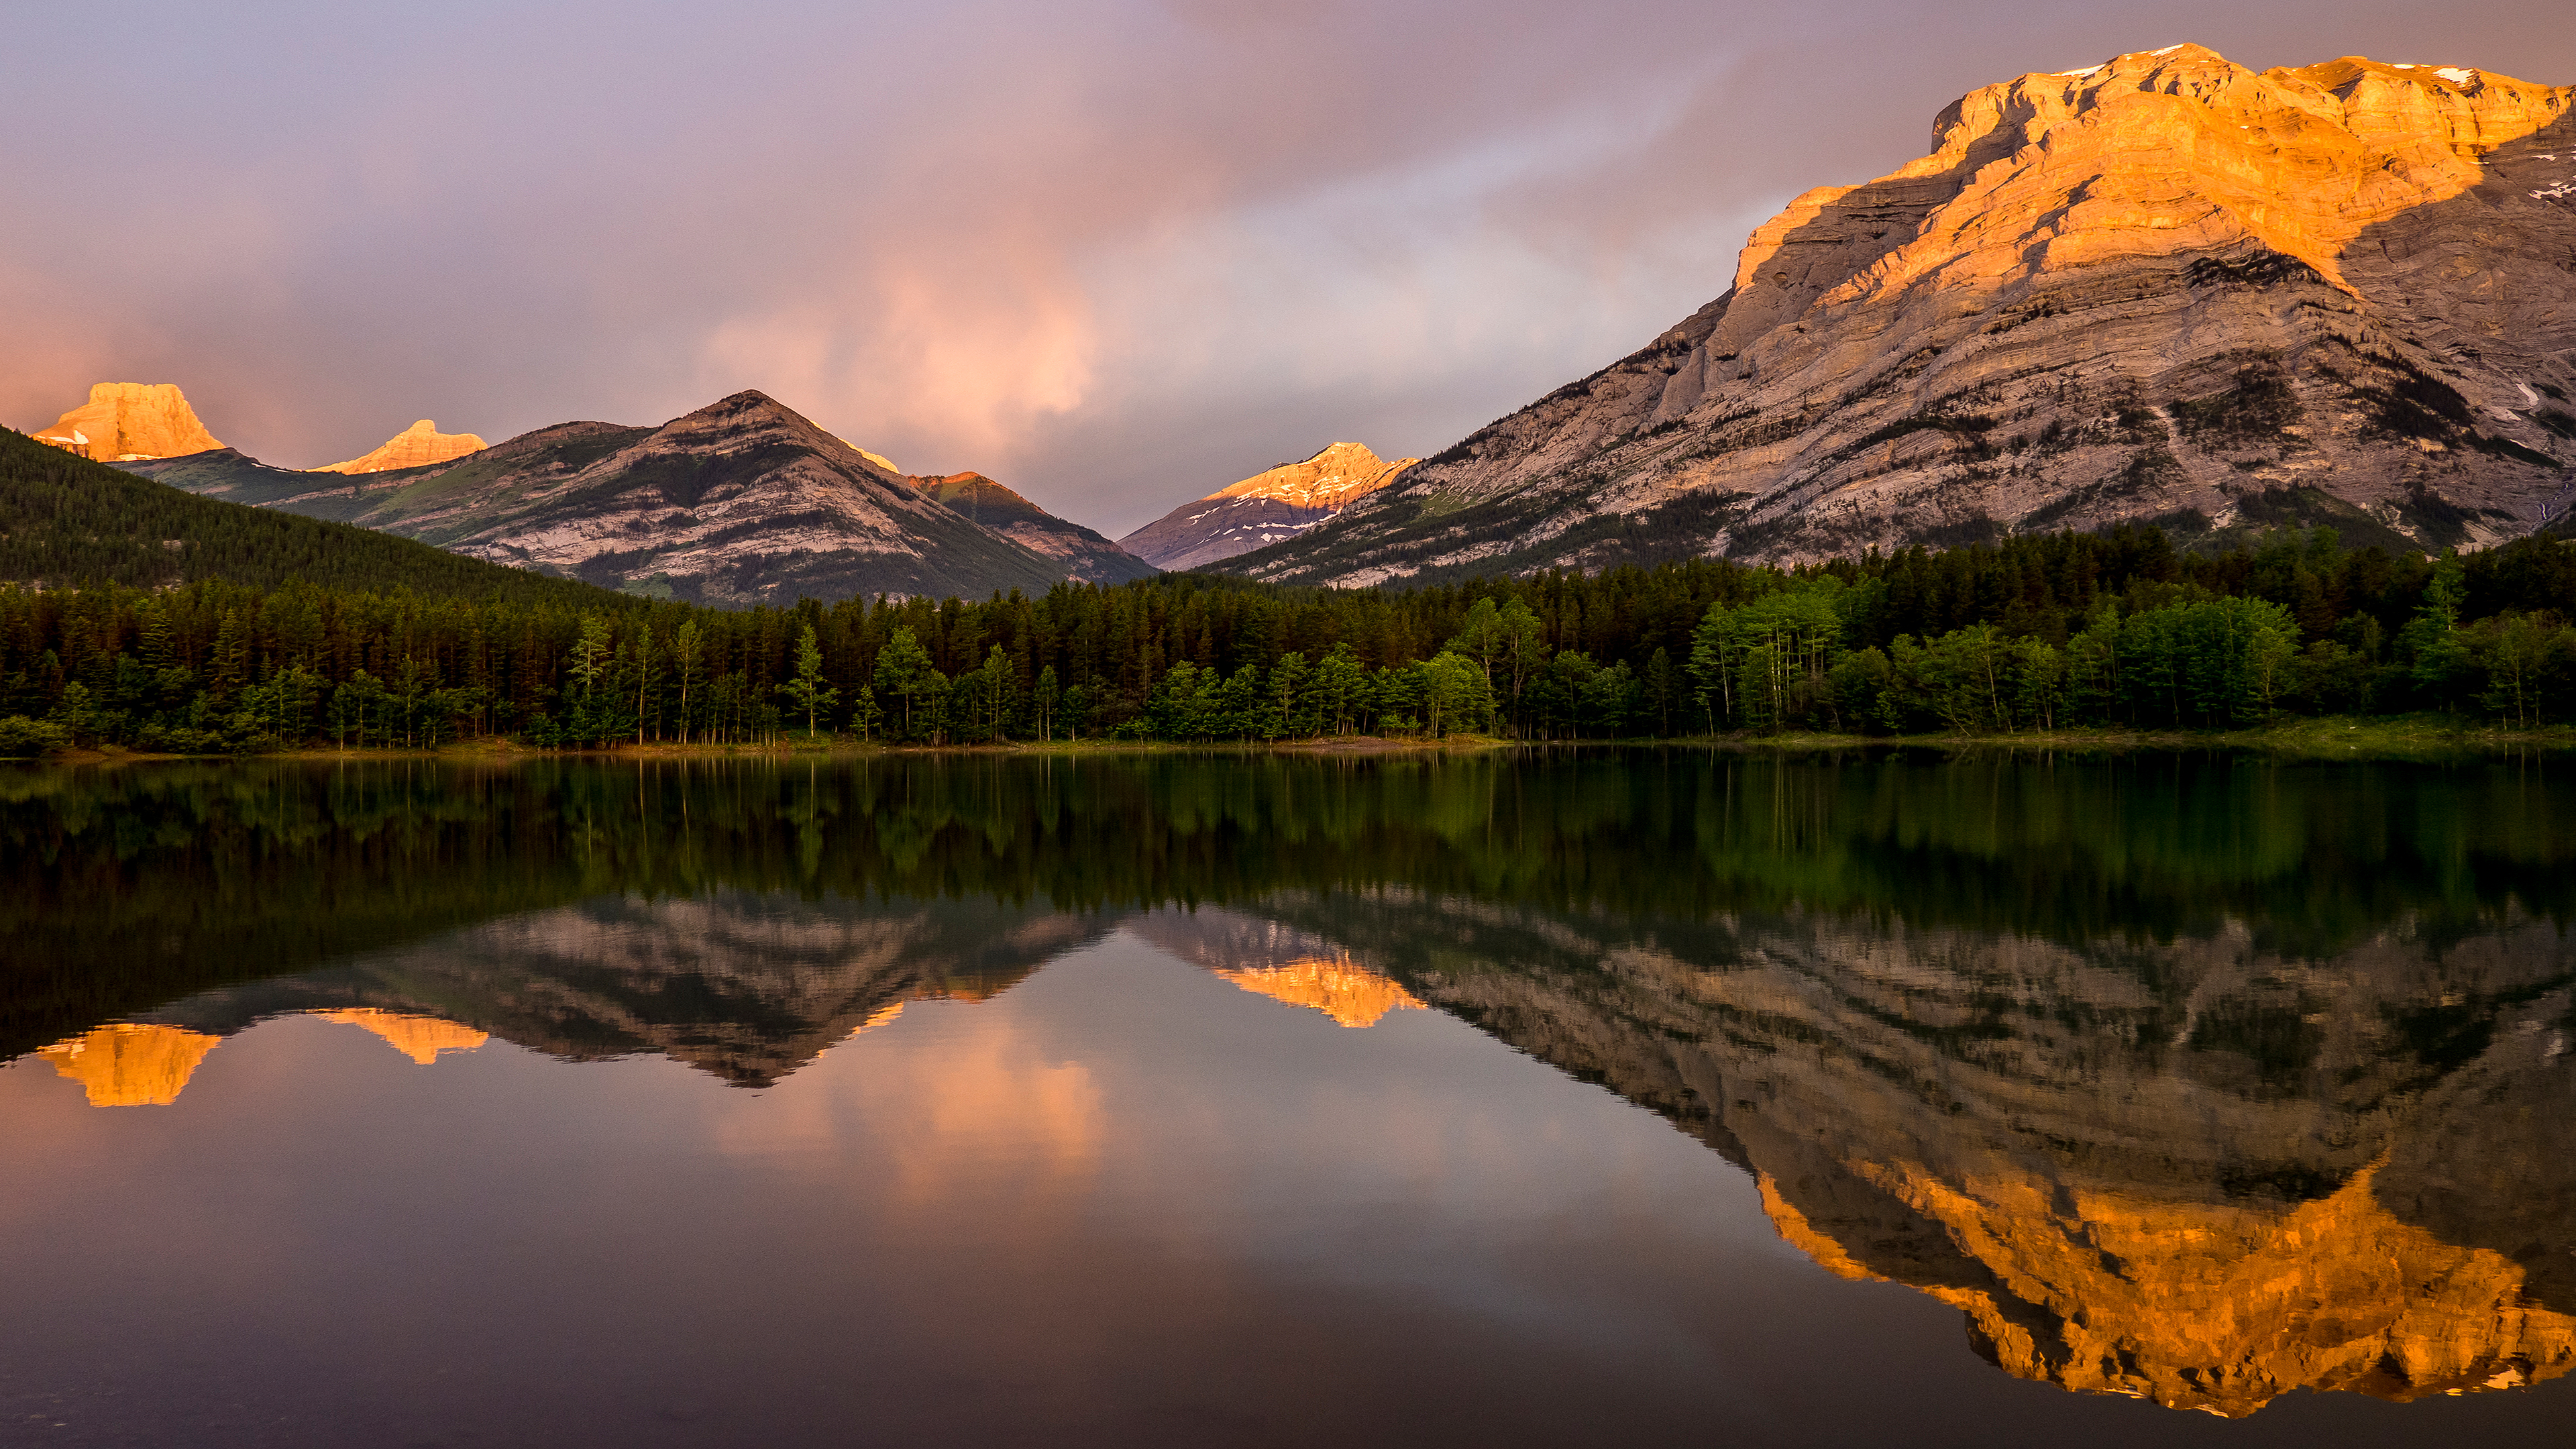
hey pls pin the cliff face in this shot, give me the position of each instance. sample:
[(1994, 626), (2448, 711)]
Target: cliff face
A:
[(130, 420), (2198, 1173), (421, 443), (741, 502), (1263, 509), (1082, 553), (2163, 288)]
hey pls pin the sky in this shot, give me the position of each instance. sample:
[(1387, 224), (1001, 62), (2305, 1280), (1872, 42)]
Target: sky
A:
[(1116, 255)]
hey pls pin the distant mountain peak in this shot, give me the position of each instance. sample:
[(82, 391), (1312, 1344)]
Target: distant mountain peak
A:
[(421, 443), (1272, 505), (126, 421)]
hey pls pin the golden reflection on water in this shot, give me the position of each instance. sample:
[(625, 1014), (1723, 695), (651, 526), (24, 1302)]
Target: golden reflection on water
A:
[(148, 1064), (131, 1064), (420, 1038), (2218, 1307), (1351, 995)]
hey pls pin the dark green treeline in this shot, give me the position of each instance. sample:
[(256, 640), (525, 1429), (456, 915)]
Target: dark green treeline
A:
[(2038, 632)]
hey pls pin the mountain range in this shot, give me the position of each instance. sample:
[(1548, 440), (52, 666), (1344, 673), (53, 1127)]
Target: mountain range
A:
[(2163, 288), (741, 502)]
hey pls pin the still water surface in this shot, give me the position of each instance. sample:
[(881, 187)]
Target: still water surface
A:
[(1235, 1100)]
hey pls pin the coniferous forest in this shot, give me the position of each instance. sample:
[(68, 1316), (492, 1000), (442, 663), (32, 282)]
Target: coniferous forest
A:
[(155, 620)]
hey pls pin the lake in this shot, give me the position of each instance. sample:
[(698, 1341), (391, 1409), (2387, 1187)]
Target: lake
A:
[(1566, 1097)]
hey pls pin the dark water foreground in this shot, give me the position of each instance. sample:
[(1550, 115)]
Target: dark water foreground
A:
[(1604, 1098)]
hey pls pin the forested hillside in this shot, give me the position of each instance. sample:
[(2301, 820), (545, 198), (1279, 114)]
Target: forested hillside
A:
[(65, 520), (2040, 632)]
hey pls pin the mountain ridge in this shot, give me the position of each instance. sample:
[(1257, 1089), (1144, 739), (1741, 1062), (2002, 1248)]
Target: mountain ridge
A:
[(741, 502)]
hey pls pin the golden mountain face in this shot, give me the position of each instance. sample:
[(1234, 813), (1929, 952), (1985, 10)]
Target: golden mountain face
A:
[(416, 446), (2163, 287), (125, 421)]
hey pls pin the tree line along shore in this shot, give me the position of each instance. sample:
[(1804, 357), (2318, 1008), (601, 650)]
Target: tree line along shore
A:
[(2037, 635)]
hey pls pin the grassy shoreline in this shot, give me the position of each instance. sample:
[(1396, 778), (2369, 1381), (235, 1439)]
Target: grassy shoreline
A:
[(2357, 738)]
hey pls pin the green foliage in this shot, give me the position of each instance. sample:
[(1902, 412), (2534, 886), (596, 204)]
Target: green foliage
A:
[(66, 521), (2115, 629)]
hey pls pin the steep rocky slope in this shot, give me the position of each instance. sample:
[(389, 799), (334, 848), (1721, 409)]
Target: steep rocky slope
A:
[(741, 502), (2162, 288), (1263, 509), (127, 420), (420, 444), (1082, 553)]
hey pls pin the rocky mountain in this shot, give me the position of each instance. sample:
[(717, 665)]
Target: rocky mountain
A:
[(1263, 509), (2160, 288), (741, 502), (421, 443), (130, 420), (1082, 553)]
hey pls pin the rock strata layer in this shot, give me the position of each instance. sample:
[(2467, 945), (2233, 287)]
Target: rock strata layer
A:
[(2163, 288), (1263, 509), (125, 421)]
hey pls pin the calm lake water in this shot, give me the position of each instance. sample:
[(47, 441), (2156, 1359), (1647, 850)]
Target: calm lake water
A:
[(1651, 1097)]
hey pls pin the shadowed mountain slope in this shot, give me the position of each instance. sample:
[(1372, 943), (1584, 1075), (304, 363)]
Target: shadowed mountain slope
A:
[(1084, 554)]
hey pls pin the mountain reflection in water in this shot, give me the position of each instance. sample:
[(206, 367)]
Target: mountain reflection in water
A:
[(2195, 1080)]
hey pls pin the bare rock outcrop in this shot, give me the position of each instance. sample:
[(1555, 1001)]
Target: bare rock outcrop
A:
[(124, 421), (1263, 509), (419, 444), (2164, 288)]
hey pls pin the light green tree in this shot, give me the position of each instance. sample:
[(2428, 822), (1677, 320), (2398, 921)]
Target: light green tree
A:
[(904, 672), (807, 688)]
